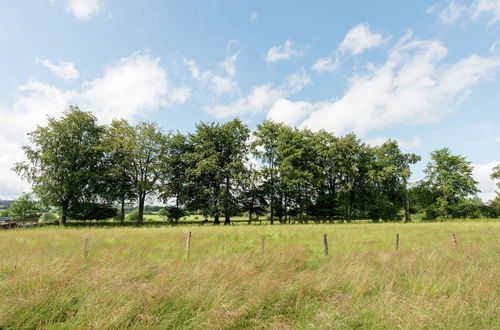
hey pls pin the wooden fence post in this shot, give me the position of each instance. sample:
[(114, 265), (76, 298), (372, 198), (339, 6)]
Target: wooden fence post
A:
[(188, 244), (397, 242), (325, 244), (86, 248), (454, 238)]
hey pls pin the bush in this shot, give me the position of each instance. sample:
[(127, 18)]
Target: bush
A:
[(49, 217), (133, 216)]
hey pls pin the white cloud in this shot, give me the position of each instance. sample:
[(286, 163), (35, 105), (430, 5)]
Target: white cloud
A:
[(126, 89), (64, 70), (133, 85), (84, 9), (497, 139), (287, 112), (296, 82), (261, 97), (254, 16), (486, 7), (283, 52), (355, 42), (217, 83), (454, 11), (486, 185), (413, 85), (358, 39), (412, 144)]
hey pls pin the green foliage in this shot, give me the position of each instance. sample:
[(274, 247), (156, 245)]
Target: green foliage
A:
[(64, 160), (173, 213), (495, 175), (133, 216), (23, 208), (218, 157), (49, 218), (451, 178), (91, 211)]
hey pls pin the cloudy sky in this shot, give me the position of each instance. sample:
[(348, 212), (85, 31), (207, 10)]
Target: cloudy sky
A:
[(426, 73)]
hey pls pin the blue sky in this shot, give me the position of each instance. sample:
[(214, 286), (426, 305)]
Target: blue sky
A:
[(425, 73)]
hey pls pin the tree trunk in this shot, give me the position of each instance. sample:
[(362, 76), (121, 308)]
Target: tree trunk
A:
[(140, 215), (122, 211), (216, 219), (227, 220), (406, 205), (64, 213), (271, 200)]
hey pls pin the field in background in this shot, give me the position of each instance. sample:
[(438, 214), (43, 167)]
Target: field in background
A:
[(140, 277)]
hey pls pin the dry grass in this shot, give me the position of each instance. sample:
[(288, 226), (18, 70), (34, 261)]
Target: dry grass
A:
[(139, 278)]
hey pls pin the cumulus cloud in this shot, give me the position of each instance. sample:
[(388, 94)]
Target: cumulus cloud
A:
[(486, 185), (287, 112), (64, 70), (82, 9), (261, 97), (217, 83), (455, 11), (411, 144), (133, 85), (283, 52), (355, 42), (413, 85), (126, 89)]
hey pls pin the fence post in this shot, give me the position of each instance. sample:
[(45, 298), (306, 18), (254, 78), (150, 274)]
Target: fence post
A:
[(188, 244), (86, 248), (325, 244), (397, 242), (454, 238), (262, 244)]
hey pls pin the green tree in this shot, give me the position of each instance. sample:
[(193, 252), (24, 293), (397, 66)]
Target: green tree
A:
[(495, 175), (451, 177), (118, 163), (23, 208), (218, 160), (391, 177), (64, 161), (139, 151), (267, 137), (174, 181)]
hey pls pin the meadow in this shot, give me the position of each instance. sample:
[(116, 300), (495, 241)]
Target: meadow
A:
[(141, 277)]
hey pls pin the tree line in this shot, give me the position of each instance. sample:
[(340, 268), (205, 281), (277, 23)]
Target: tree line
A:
[(223, 170)]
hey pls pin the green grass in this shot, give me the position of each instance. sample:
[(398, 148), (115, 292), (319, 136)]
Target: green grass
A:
[(140, 277)]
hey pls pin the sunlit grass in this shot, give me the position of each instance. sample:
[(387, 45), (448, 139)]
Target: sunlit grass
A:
[(140, 277)]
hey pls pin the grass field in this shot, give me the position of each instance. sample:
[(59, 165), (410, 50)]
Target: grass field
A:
[(140, 277)]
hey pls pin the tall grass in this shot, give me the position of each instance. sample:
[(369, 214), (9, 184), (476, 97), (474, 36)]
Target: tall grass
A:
[(140, 277)]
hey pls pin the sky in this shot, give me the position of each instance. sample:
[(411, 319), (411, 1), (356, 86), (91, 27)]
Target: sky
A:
[(425, 73)]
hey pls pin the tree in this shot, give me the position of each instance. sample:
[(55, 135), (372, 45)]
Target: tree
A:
[(23, 208), (353, 166), (174, 181), (64, 161), (91, 211), (141, 149), (118, 181), (218, 160), (496, 175), (392, 174), (451, 177), (265, 146)]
